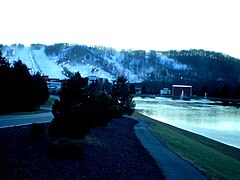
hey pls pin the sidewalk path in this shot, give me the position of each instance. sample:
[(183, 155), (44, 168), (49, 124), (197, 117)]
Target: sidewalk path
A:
[(173, 167)]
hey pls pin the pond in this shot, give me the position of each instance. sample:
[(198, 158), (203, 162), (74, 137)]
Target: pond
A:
[(221, 123)]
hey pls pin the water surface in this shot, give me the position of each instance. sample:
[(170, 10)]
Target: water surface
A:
[(221, 123)]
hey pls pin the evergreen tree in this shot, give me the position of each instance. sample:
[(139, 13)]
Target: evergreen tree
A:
[(5, 78), (121, 95), (73, 114), (39, 90), (203, 91), (107, 86), (22, 90), (4, 65), (94, 87), (102, 110), (132, 89), (216, 93), (19, 90), (225, 91), (237, 93), (143, 90), (82, 107)]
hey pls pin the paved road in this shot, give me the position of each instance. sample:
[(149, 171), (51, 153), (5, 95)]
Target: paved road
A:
[(174, 168), (18, 120)]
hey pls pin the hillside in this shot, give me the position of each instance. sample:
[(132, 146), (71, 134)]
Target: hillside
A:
[(157, 69), (36, 60), (58, 59), (208, 64)]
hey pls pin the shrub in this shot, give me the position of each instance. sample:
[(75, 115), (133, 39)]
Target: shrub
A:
[(66, 149), (73, 114), (73, 127), (80, 107), (20, 91), (101, 110), (121, 95), (116, 111), (37, 131)]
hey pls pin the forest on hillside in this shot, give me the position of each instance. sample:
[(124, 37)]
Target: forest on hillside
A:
[(213, 71), (207, 71)]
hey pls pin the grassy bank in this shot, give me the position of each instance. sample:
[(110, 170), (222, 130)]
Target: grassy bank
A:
[(215, 159), (49, 102)]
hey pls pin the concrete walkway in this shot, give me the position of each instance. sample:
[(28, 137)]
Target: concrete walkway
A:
[(173, 167)]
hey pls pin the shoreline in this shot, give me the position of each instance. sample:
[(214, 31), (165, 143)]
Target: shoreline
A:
[(234, 145), (204, 117), (215, 159), (171, 164)]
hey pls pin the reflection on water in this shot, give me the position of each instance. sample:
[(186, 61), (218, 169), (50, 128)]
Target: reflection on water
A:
[(221, 123)]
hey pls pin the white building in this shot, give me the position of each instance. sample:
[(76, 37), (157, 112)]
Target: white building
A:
[(92, 79), (165, 91), (54, 85)]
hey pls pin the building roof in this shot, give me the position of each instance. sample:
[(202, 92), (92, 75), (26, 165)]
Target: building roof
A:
[(186, 86)]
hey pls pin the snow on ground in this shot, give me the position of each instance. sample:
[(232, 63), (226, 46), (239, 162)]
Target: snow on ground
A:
[(87, 70), (116, 59), (48, 65), (171, 62), (23, 55), (38, 61)]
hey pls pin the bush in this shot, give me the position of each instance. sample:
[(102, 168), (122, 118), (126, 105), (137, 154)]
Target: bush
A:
[(20, 91), (37, 131), (116, 111), (73, 114), (66, 149), (121, 95), (102, 115), (73, 127), (80, 107)]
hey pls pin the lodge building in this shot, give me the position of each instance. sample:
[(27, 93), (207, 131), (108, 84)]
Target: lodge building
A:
[(181, 92)]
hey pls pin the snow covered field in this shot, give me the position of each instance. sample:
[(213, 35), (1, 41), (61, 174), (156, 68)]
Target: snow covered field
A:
[(38, 61), (91, 62)]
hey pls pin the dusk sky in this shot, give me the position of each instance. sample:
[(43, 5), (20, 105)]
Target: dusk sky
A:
[(126, 24)]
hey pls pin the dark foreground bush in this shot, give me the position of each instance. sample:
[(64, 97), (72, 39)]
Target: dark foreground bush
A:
[(66, 149), (80, 107), (116, 111), (37, 131), (72, 127), (105, 110)]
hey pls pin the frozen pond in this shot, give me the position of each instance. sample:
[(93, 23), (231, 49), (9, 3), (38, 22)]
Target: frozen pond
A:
[(221, 123)]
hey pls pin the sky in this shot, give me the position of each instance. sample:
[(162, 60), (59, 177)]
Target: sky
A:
[(124, 24)]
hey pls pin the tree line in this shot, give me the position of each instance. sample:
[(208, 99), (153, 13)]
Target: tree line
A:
[(20, 91)]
